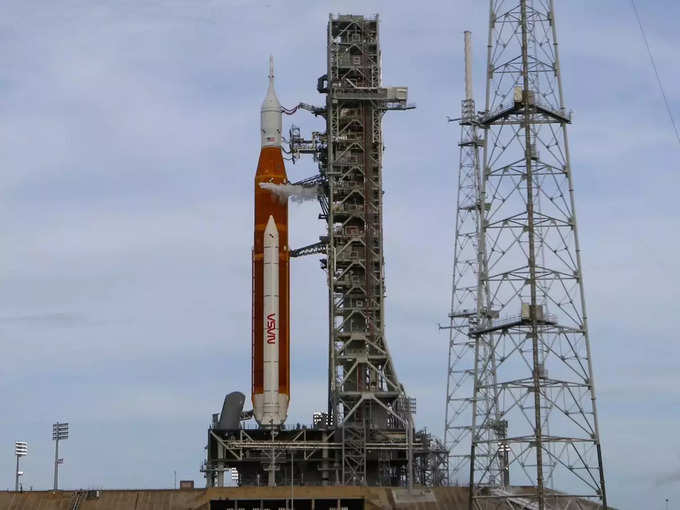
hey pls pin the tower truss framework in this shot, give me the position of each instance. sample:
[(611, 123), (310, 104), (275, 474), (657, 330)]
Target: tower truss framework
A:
[(364, 392), (464, 295), (532, 351), (366, 402)]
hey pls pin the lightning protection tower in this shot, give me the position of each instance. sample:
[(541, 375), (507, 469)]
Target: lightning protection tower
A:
[(532, 350), (463, 315)]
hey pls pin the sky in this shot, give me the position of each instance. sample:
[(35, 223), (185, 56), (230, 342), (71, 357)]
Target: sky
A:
[(128, 144)]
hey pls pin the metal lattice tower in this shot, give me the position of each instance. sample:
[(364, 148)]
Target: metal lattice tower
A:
[(532, 352), (364, 393), (369, 413), (463, 313)]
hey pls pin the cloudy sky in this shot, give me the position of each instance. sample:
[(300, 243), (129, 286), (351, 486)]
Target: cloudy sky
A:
[(128, 144)]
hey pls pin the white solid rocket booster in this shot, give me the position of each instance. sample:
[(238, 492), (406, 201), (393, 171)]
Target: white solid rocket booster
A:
[(272, 400)]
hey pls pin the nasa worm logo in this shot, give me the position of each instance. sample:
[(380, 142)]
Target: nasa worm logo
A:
[(271, 328)]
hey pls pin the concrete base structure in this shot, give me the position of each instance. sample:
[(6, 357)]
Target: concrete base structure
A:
[(265, 498)]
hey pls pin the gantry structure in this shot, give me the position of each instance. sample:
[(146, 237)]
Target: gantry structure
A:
[(366, 402), (534, 424), (365, 396)]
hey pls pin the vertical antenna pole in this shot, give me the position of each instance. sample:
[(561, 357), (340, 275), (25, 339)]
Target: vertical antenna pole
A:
[(466, 375), (468, 66)]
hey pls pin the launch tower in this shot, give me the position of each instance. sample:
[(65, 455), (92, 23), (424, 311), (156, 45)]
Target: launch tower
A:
[(365, 397), (366, 403)]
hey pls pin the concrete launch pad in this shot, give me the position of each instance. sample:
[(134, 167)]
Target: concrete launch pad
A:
[(261, 498)]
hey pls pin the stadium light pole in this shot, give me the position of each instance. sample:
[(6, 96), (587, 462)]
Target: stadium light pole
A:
[(20, 450), (59, 432)]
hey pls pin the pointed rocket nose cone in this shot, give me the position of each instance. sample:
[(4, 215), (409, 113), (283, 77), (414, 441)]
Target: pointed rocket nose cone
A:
[(271, 102), (270, 114), (270, 229)]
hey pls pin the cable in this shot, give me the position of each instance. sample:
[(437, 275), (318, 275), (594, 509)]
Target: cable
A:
[(656, 71)]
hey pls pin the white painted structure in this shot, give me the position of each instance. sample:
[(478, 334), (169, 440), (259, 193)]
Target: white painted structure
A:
[(270, 114), (270, 407)]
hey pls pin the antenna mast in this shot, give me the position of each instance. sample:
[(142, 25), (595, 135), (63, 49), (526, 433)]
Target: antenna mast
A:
[(463, 316)]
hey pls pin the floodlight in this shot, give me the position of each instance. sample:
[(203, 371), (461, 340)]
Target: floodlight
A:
[(59, 432), (21, 448)]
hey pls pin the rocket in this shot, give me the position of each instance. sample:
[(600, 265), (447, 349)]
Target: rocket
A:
[(270, 342)]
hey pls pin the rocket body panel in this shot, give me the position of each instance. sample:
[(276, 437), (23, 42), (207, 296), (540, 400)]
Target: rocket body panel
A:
[(271, 261), (271, 311), (270, 315)]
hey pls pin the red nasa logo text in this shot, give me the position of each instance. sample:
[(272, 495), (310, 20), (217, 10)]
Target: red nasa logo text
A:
[(271, 328)]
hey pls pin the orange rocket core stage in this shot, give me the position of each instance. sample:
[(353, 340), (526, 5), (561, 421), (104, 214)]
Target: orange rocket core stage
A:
[(270, 169)]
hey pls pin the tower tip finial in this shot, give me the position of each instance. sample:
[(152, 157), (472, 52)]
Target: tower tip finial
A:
[(271, 67)]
